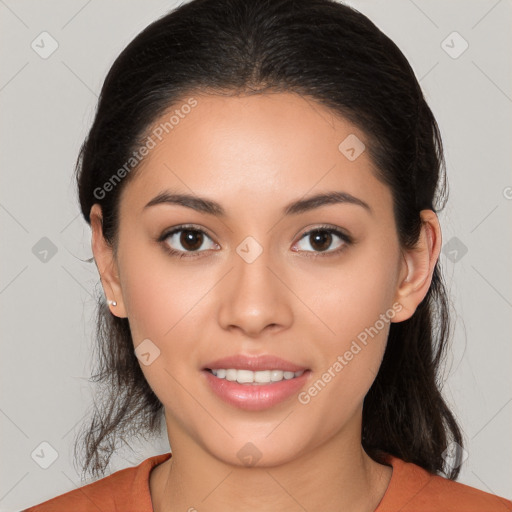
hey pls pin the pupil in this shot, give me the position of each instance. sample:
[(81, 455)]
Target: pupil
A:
[(319, 237), (188, 238)]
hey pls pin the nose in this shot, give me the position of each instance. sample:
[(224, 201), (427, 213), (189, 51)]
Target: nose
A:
[(255, 297)]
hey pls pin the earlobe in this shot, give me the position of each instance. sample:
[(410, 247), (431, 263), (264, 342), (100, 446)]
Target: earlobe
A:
[(418, 266), (105, 262)]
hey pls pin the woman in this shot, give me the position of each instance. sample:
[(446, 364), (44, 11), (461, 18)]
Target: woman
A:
[(262, 180)]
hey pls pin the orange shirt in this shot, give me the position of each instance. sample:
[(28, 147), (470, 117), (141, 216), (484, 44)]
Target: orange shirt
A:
[(411, 489)]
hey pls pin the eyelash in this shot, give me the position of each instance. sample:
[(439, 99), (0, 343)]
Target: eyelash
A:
[(185, 254)]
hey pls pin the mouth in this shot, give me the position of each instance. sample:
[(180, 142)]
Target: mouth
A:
[(255, 383), (260, 377)]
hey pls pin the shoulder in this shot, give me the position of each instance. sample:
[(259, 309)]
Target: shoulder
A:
[(126, 490), (413, 489)]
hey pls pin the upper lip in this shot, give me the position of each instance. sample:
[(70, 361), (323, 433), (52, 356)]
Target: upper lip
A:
[(254, 363)]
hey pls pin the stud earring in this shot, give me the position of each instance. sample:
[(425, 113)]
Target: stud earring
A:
[(112, 302)]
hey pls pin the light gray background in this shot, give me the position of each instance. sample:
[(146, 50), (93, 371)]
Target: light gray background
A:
[(47, 308)]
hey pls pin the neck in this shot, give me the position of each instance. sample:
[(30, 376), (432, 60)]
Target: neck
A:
[(335, 476)]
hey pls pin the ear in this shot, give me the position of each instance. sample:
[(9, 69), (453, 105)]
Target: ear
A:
[(418, 266), (106, 264)]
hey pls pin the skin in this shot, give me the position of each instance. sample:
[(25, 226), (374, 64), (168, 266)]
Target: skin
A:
[(254, 155)]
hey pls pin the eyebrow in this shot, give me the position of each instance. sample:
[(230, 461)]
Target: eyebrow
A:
[(210, 207)]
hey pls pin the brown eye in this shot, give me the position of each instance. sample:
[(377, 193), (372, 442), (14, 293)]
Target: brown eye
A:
[(183, 240), (191, 240), (322, 239)]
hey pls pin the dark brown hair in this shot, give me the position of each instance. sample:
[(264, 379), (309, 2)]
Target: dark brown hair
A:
[(331, 54)]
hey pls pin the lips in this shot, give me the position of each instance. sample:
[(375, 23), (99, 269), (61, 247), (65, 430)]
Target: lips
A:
[(255, 396), (255, 363)]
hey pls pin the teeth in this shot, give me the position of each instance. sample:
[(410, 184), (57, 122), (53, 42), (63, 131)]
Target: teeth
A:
[(276, 375), (250, 377), (263, 376), (231, 375)]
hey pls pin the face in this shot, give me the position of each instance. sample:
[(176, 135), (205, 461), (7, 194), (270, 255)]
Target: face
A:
[(310, 290)]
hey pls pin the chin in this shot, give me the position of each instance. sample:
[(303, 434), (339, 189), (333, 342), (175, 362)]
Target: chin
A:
[(259, 451)]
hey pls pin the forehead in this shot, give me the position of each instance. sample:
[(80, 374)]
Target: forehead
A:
[(262, 147)]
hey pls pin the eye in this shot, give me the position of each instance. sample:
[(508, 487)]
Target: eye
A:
[(185, 239), (321, 238)]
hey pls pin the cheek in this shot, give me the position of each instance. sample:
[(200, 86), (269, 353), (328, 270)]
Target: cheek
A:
[(359, 312), (356, 305), (158, 293), (335, 395), (161, 303), (164, 300), (350, 296)]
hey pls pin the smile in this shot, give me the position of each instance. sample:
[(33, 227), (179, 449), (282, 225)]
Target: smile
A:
[(254, 377), (255, 390)]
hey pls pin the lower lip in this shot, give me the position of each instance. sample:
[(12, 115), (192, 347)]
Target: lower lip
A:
[(255, 397)]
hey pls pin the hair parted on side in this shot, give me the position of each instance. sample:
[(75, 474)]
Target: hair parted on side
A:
[(332, 54)]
